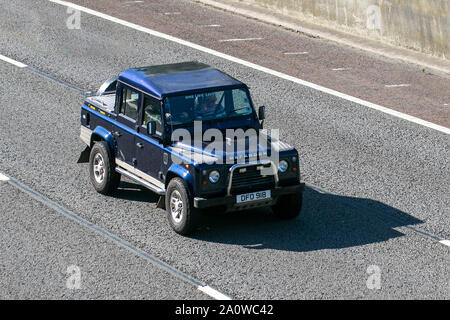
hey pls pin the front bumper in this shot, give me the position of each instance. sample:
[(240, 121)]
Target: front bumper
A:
[(230, 201)]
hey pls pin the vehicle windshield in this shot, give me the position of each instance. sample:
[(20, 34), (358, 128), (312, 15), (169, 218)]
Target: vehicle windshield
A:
[(205, 106)]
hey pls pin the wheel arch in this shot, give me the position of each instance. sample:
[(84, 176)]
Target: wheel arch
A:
[(177, 171), (101, 134)]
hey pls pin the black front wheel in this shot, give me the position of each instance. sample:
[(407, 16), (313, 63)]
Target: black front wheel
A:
[(182, 215), (102, 171), (288, 206)]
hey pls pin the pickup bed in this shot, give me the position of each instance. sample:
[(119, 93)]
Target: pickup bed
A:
[(106, 102)]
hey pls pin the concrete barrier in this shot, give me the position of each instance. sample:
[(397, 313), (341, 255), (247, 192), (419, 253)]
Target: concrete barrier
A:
[(422, 25)]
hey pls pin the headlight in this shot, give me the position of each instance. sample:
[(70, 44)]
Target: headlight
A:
[(283, 166), (214, 176)]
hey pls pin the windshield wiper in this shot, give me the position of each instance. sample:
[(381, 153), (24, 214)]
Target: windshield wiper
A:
[(234, 111)]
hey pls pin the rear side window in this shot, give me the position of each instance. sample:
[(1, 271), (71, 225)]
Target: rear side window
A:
[(129, 104)]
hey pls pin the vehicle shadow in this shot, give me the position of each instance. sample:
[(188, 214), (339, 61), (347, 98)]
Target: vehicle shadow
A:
[(135, 192), (327, 221)]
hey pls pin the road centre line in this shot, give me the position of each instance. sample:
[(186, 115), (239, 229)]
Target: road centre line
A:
[(256, 67), (119, 241), (341, 69), (42, 74), (62, 82), (242, 39), (397, 85), (295, 53), (132, 2)]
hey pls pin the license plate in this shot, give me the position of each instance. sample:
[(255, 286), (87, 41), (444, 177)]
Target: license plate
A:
[(253, 196)]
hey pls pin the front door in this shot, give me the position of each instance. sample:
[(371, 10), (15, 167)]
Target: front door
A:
[(149, 149)]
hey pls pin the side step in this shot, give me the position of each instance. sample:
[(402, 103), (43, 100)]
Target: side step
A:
[(141, 181)]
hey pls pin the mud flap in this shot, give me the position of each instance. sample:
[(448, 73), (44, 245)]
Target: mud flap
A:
[(162, 203), (84, 156)]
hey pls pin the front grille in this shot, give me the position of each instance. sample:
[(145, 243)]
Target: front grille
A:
[(249, 179)]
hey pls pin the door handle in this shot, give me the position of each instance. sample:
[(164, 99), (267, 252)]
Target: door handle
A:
[(140, 145), (117, 133)]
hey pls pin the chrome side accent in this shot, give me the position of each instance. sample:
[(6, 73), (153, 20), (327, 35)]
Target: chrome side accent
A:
[(249, 164), (141, 175), (142, 182), (85, 135)]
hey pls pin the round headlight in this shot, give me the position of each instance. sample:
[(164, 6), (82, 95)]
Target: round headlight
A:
[(283, 166), (214, 176)]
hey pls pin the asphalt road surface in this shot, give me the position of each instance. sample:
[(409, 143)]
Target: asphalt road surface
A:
[(378, 195)]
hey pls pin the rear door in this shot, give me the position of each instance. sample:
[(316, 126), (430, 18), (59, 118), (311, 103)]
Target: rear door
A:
[(127, 124)]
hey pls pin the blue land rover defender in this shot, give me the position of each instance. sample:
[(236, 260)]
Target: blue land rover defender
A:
[(155, 125)]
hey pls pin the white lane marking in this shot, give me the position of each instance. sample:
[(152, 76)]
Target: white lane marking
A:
[(12, 61), (295, 53), (445, 242), (446, 104), (257, 67), (213, 293), (133, 2), (211, 25), (242, 39), (3, 177), (397, 85), (171, 13), (341, 69)]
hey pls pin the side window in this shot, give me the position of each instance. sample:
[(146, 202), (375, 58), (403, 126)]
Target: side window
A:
[(241, 102), (129, 103), (152, 112)]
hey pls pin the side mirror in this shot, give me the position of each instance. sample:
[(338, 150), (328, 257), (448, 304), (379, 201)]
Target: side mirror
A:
[(262, 113), (151, 128)]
